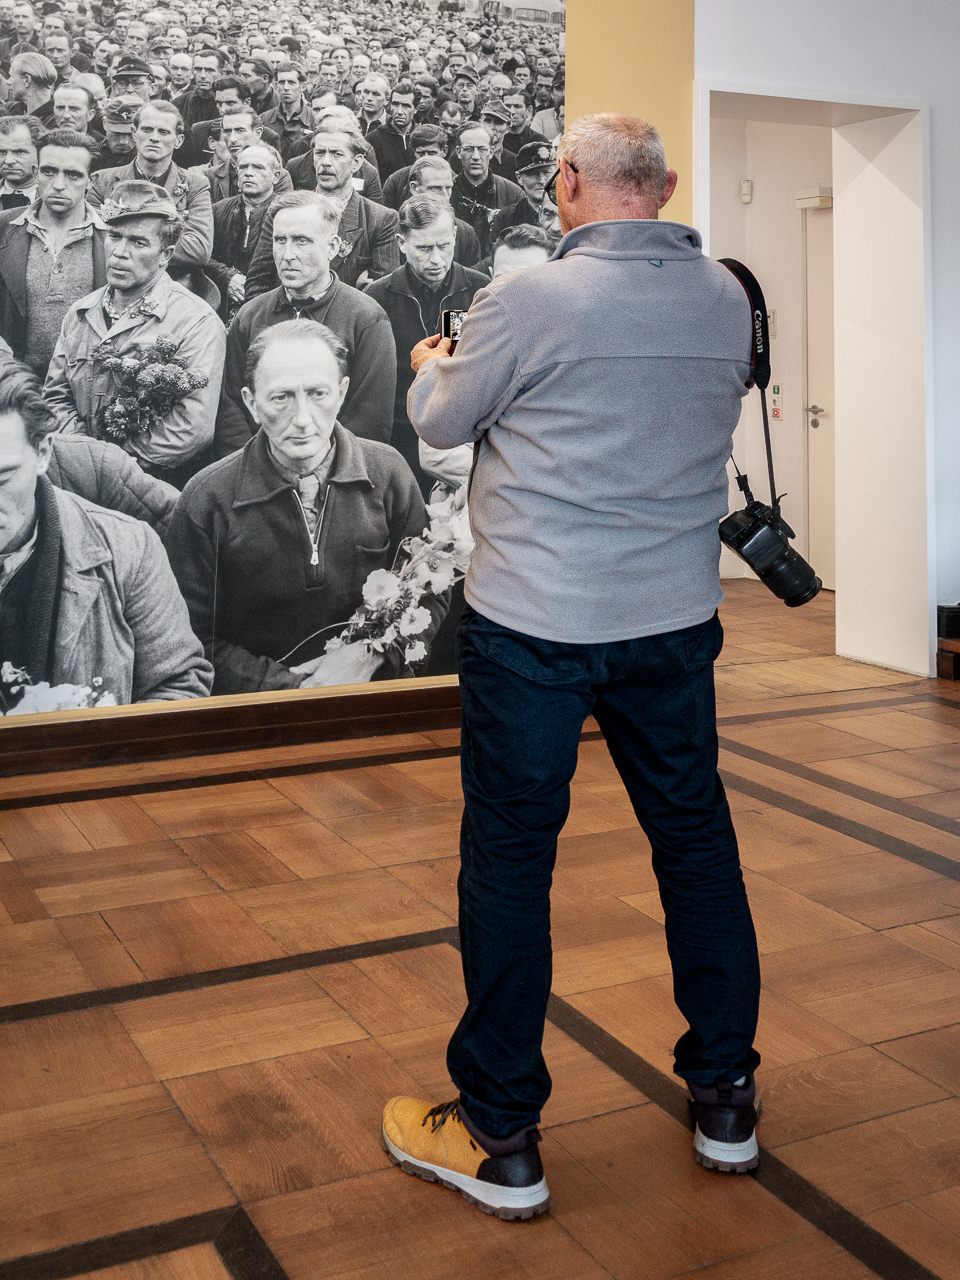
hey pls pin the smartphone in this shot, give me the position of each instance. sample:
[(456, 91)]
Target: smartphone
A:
[(450, 322)]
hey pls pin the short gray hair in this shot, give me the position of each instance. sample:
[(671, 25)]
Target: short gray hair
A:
[(329, 214), (617, 151), (348, 128), (40, 69), (436, 163), (292, 331)]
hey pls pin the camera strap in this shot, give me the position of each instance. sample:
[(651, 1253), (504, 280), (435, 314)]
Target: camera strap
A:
[(759, 367)]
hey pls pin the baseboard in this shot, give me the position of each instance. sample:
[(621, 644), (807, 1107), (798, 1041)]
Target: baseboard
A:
[(170, 730)]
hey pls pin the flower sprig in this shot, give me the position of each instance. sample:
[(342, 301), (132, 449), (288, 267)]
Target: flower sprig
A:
[(150, 380), (392, 614)]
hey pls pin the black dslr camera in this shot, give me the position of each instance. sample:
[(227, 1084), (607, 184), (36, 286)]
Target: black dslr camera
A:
[(759, 534)]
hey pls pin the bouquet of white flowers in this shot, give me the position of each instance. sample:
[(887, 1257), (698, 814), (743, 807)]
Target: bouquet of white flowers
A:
[(19, 696), (392, 612)]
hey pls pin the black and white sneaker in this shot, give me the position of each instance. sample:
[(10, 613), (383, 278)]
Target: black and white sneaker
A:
[(726, 1115)]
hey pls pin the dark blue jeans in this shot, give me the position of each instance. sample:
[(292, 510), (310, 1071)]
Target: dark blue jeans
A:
[(524, 704)]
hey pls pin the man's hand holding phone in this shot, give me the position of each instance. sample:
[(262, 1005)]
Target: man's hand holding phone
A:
[(442, 344), (435, 348)]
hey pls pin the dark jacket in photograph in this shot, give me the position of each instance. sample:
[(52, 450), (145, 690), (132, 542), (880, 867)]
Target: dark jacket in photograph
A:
[(361, 326), (392, 149), (103, 473), (233, 243), (368, 235), (241, 554), (194, 106), (513, 216), (412, 319), (480, 205)]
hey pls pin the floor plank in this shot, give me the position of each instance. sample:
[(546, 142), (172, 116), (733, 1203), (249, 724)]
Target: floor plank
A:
[(65, 1057), (190, 935), (94, 1167), (325, 1232), (336, 910), (197, 1031), (198, 1263)]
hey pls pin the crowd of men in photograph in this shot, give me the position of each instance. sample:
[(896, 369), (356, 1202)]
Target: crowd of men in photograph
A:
[(274, 203)]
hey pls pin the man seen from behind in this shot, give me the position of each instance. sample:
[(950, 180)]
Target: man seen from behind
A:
[(603, 387)]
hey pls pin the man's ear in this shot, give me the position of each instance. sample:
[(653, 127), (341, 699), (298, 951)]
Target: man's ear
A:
[(251, 403), (357, 164), (44, 452), (571, 181), (669, 189)]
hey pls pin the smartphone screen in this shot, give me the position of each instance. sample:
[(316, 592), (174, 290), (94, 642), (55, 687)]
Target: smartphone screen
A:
[(450, 322)]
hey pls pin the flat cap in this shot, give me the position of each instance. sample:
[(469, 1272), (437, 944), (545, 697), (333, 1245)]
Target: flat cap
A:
[(496, 109), (119, 112), (136, 199)]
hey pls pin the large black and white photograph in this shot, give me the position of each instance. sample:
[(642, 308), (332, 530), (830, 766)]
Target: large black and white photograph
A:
[(223, 229)]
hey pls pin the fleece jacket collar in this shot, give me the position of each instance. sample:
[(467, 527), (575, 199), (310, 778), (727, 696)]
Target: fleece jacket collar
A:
[(645, 238)]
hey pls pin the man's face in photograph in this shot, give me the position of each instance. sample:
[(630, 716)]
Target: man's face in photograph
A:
[(71, 108), (18, 157), (333, 161), (295, 398), (20, 466), (205, 71), (475, 150), (135, 253), (429, 251), (63, 176), (257, 172), (401, 110)]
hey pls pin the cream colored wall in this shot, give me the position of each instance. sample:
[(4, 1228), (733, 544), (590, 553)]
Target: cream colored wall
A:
[(884, 543), (637, 56)]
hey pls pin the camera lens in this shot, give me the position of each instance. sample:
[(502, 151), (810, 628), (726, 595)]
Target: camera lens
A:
[(763, 544), (791, 579)]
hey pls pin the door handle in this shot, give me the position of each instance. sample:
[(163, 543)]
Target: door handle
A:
[(813, 408)]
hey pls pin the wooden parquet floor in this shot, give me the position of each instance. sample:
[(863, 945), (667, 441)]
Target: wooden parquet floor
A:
[(215, 971)]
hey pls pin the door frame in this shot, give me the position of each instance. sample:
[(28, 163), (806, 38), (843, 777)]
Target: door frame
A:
[(868, 633)]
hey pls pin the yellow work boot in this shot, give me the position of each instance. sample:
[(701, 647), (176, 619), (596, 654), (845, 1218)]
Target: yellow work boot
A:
[(432, 1143)]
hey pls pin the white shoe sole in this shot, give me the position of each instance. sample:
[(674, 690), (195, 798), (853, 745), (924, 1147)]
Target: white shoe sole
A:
[(727, 1157), (508, 1203)]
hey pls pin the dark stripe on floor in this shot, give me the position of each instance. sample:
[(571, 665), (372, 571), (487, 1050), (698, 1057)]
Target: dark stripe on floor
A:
[(218, 977), (820, 1210), (809, 774), (845, 826)]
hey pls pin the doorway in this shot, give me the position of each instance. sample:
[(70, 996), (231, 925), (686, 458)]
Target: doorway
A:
[(848, 294)]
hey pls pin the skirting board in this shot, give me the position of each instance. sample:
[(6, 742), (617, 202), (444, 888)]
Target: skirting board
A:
[(170, 730)]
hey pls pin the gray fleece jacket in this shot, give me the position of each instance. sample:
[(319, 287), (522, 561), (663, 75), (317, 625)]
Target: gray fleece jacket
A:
[(604, 387)]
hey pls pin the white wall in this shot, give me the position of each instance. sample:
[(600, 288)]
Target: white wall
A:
[(879, 51), (881, 461), (779, 159)]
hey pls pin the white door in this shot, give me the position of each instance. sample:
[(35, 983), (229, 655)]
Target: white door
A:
[(819, 414)]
